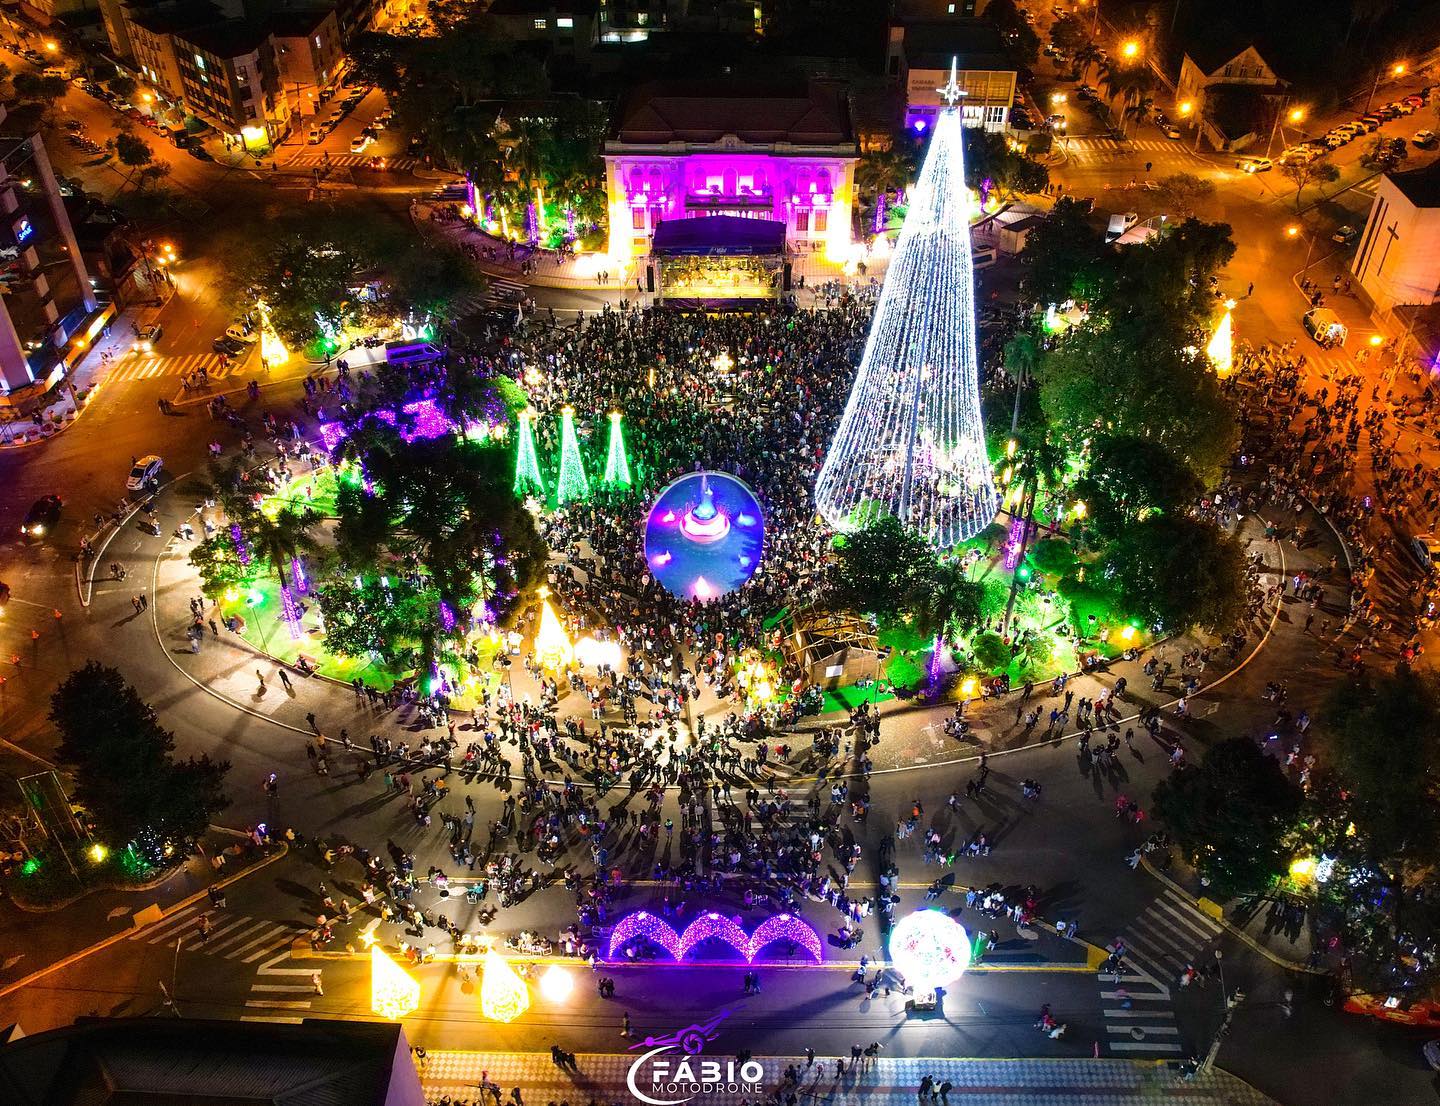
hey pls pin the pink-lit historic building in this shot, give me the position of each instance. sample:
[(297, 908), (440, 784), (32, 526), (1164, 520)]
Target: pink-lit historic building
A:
[(688, 150)]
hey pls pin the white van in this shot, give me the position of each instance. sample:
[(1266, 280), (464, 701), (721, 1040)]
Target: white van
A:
[(1325, 326)]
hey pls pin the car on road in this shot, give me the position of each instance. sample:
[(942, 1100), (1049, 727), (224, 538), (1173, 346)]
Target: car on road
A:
[(359, 142), (1254, 164), (227, 347), (198, 152), (239, 332), (1085, 92), (147, 337), (1169, 130), (145, 472), (314, 136), (1426, 140), (41, 518), (1345, 235), (1425, 548)]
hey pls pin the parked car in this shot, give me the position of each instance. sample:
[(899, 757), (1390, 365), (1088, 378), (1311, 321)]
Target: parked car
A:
[(41, 518), (227, 347), (1255, 164), (1345, 235), (241, 333), (1426, 140), (1425, 548), (314, 135), (198, 152), (145, 472)]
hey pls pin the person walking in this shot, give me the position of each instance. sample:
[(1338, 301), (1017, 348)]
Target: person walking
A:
[(316, 982), (261, 677)]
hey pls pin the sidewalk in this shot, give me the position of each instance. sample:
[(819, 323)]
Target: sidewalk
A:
[(552, 270), (914, 731), (1285, 937), (63, 410), (884, 1082), (50, 937)]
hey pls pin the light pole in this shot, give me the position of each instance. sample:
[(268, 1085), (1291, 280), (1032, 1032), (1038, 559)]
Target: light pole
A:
[(1227, 1008), (1397, 70), (1294, 230), (1294, 116)]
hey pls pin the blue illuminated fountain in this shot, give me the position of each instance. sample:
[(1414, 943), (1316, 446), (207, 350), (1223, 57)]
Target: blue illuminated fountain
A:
[(705, 535)]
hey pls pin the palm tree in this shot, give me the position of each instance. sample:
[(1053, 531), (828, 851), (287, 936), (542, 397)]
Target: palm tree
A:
[(282, 538), (1038, 463), (947, 600), (1085, 57), (880, 171), (1022, 357)]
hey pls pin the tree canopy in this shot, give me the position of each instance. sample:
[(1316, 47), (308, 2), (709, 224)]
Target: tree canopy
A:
[(1178, 572), (130, 785), (1234, 814), (878, 568)]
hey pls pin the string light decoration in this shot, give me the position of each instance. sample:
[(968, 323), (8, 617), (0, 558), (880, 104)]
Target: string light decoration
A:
[(552, 644), (572, 482), (528, 480), (503, 994), (617, 463), (1220, 350), (911, 443), (659, 932), (393, 992)]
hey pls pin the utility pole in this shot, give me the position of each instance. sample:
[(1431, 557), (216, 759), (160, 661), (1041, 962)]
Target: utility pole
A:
[(1228, 1007)]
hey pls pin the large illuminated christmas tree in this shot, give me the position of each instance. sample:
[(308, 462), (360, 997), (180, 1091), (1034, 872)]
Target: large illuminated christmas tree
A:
[(910, 442)]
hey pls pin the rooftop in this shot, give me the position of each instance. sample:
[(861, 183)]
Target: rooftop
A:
[(543, 7), (1420, 186), (976, 43), (230, 39), (298, 24), (159, 1061), (1212, 53), (706, 111)]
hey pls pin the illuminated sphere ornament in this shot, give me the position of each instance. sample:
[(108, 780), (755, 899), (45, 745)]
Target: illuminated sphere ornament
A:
[(503, 994), (910, 443), (930, 949), (393, 993), (556, 984)]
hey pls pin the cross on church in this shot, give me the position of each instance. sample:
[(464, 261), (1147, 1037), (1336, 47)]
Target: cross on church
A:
[(951, 91), (1394, 234)]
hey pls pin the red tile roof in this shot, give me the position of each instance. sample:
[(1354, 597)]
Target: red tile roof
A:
[(706, 111)]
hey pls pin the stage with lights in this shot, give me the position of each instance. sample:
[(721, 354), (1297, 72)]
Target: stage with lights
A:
[(705, 535)]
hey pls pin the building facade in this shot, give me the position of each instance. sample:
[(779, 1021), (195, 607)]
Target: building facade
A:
[(308, 56), (918, 59), (685, 151), (1207, 68), (50, 305), (1397, 262), (228, 79)]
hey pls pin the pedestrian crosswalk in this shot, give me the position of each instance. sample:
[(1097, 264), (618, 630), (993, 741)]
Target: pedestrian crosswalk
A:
[(275, 996), (1169, 935), (1097, 148), (1367, 187), (136, 367), (348, 161), (238, 937)]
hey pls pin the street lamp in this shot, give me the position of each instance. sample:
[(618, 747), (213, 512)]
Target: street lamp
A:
[(1294, 230), (1294, 116), (1130, 49), (1396, 71)]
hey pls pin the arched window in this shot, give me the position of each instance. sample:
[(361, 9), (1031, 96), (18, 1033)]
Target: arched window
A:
[(822, 183), (729, 182)]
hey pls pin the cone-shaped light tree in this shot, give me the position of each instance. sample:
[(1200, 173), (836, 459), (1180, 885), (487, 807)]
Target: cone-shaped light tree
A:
[(910, 443), (528, 480), (617, 464), (572, 483)]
